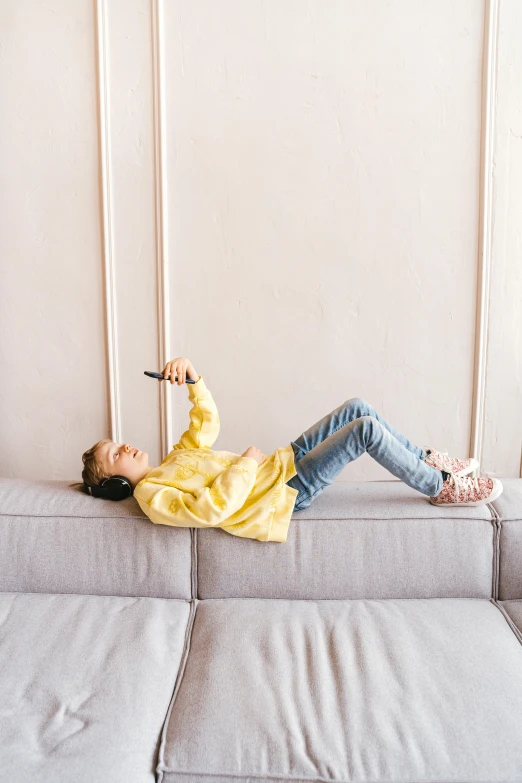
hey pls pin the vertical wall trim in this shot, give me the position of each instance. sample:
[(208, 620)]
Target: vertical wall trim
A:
[(160, 204), (107, 223), (489, 57)]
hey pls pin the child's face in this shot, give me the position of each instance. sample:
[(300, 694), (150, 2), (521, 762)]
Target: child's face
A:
[(122, 459)]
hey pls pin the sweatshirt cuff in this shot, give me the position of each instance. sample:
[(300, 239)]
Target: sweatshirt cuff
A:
[(196, 389), (249, 460)]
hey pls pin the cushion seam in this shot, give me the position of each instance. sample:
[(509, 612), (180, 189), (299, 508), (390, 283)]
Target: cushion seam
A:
[(514, 628), (496, 550), (184, 656)]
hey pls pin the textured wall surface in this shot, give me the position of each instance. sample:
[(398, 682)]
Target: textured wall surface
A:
[(503, 420), (53, 378), (321, 216)]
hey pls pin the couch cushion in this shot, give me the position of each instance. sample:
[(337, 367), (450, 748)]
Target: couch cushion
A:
[(56, 539), (508, 508), (358, 540), (85, 685), (513, 610), (368, 690)]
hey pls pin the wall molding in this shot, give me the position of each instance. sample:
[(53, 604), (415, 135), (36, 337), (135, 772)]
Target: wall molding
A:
[(161, 234), (489, 59), (107, 222)]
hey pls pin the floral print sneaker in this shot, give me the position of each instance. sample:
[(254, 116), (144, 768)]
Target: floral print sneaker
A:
[(441, 461), (466, 491)]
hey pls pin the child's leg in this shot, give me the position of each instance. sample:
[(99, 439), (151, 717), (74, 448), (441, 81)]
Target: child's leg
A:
[(317, 468), (350, 410)]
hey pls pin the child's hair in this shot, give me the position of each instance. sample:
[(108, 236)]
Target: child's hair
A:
[(93, 472)]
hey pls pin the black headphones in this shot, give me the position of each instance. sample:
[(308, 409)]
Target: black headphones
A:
[(112, 488)]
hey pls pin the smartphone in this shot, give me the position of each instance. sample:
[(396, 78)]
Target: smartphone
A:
[(159, 375)]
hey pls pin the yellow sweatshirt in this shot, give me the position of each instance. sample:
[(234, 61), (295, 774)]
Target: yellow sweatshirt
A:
[(197, 487)]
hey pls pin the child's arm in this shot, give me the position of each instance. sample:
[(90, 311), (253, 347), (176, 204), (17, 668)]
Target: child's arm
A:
[(204, 419), (205, 507)]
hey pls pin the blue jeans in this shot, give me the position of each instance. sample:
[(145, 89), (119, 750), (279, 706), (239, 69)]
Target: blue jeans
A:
[(341, 436)]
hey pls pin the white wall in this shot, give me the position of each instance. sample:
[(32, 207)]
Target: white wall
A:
[(316, 202)]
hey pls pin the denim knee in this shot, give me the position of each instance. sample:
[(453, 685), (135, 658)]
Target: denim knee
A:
[(357, 402), (302, 504)]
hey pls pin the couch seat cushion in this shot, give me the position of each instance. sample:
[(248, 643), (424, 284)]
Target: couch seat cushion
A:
[(85, 685), (347, 690)]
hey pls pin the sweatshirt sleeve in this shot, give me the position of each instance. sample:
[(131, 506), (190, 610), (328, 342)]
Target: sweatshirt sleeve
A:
[(204, 419), (206, 507)]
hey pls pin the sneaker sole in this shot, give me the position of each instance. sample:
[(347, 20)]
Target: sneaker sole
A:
[(495, 493)]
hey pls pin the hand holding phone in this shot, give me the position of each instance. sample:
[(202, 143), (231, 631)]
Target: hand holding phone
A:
[(161, 378)]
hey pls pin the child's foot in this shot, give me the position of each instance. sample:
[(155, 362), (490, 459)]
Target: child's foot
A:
[(441, 461), (466, 491)]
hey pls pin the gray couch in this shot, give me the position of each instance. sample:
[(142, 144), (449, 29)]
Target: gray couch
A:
[(381, 642)]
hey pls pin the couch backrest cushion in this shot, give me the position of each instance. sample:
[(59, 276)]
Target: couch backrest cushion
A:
[(356, 540), (378, 539), (57, 539), (508, 509)]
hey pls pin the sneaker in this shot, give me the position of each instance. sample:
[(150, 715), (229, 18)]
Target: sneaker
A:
[(466, 491), (441, 461)]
